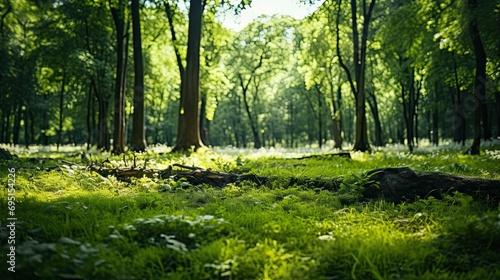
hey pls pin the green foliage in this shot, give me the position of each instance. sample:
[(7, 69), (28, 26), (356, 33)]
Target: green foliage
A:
[(81, 226)]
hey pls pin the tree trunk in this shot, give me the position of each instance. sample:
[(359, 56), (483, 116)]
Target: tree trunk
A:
[(17, 120), (480, 79), (138, 142), (435, 116), (320, 119), (256, 139), (189, 127), (204, 123), (337, 118), (458, 126), (89, 117), (26, 127), (182, 71), (61, 110), (497, 98), (359, 59), (408, 119), (376, 118), (485, 120), (119, 100), (102, 123), (415, 109)]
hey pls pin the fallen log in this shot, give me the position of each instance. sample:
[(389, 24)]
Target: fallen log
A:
[(391, 184), (403, 184), (327, 156), (193, 175), (5, 154)]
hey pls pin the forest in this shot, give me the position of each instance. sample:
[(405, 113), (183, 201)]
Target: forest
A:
[(147, 139), (117, 76)]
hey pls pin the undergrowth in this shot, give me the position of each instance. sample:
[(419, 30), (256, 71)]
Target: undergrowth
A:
[(75, 224)]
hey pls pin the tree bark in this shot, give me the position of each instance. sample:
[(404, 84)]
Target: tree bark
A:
[(497, 99), (138, 122), (376, 118), (485, 120), (119, 100), (480, 79), (458, 126), (61, 108), (89, 117), (408, 119), (336, 120), (204, 123), (188, 135), (256, 139)]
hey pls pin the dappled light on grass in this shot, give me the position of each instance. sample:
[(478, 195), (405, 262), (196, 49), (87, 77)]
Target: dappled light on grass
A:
[(77, 224)]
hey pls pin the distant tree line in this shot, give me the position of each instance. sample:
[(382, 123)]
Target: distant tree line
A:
[(115, 74)]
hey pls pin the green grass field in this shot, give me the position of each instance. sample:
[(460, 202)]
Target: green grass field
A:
[(75, 224)]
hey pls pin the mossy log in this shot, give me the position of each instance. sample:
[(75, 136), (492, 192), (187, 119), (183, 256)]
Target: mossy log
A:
[(403, 184)]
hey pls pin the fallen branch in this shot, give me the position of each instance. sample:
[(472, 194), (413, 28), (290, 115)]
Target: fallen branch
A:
[(194, 175), (327, 156)]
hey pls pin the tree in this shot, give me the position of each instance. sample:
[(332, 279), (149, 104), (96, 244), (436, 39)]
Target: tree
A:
[(188, 132), (480, 76), (188, 128), (118, 14), (138, 122), (359, 60)]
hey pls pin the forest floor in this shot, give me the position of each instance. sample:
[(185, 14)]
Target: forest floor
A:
[(72, 223)]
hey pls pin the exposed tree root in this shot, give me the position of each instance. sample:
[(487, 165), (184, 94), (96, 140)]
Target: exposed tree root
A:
[(403, 184)]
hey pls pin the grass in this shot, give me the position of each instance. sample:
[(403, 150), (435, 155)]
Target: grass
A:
[(74, 224)]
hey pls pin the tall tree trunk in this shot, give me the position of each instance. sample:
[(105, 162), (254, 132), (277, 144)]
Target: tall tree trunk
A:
[(102, 120), (359, 59), (182, 71), (138, 122), (458, 126), (119, 100), (480, 78), (61, 109), (188, 133), (337, 117)]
